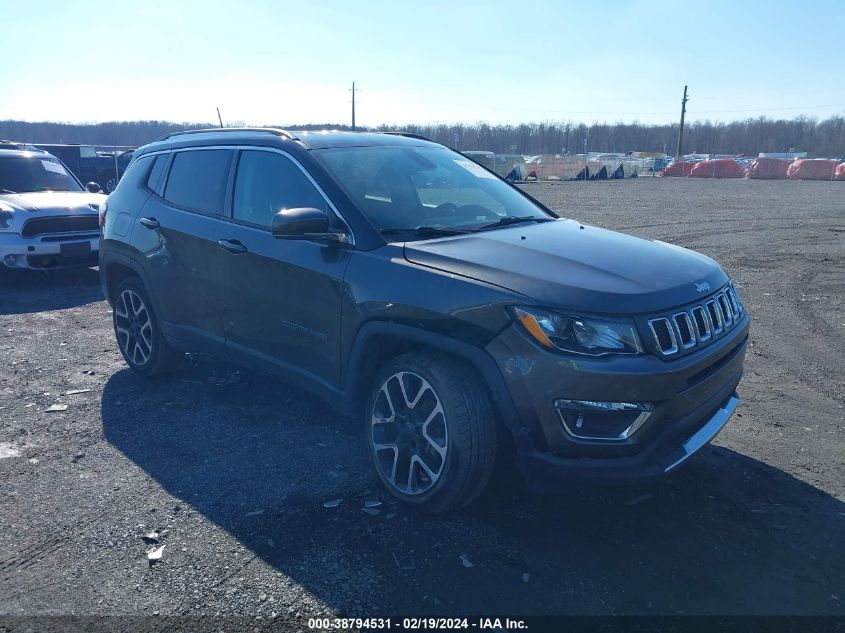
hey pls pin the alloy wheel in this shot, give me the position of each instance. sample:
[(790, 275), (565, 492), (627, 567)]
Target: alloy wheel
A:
[(133, 327), (408, 433)]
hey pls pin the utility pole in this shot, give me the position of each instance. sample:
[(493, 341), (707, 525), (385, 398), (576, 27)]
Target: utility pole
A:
[(353, 106), (219, 118), (679, 154)]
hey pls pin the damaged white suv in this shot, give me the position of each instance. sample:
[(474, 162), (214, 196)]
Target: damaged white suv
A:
[(48, 220)]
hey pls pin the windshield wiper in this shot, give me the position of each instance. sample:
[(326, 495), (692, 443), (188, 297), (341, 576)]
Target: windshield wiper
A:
[(2, 190), (425, 230), (508, 220)]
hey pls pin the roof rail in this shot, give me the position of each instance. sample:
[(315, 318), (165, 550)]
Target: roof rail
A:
[(267, 130), (29, 147), (409, 135)]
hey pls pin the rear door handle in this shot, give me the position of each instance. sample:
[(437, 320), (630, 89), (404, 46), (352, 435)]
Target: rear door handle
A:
[(150, 223), (233, 246)]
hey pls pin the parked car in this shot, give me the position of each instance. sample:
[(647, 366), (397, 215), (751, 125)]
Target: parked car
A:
[(449, 320), (91, 164), (47, 219)]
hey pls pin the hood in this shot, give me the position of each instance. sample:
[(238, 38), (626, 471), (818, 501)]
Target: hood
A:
[(54, 201), (565, 264)]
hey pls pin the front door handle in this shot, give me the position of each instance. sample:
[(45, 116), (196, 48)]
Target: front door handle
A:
[(233, 246), (150, 223)]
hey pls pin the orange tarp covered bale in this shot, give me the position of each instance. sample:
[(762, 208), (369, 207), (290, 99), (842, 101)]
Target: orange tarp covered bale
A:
[(840, 172), (718, 168), (768, 168), (812, 169), (680, 168)]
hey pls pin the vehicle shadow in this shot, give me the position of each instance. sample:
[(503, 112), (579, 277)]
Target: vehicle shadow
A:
[(727, 535), (26, 291)]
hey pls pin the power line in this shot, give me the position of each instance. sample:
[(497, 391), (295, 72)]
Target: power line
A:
[(664, 112)]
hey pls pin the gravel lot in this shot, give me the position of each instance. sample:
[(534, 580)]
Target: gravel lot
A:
[(232, 469)]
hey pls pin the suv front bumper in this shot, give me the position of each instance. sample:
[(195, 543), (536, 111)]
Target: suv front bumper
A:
[(48, 252), (690, 400)]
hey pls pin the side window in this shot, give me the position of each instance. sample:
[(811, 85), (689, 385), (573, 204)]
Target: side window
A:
[(155, 173), (268, 182), (197, 180)]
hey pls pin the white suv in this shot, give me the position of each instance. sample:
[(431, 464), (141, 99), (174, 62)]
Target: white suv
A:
[(47, 219)]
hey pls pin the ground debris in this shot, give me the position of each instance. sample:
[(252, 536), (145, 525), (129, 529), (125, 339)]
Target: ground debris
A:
[(73, 392), (155, 555), (465, 560), (150, 537), (55, 407), (332, 503), (371, 511)]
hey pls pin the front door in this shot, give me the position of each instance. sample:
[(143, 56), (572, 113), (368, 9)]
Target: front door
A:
[(283, 304)]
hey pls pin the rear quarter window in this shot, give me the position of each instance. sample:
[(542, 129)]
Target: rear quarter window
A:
[(197, 180), (154, 179), (137, 172)]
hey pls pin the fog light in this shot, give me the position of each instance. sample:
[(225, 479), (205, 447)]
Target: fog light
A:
[(602, 421), (10, 260)]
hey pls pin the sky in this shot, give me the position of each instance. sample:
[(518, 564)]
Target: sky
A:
[(515, 61)]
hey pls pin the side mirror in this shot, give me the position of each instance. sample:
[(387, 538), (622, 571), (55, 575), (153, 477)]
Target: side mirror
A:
[(93, 187), (304, 223)]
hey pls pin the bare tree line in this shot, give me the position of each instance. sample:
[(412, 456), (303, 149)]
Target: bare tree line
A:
[(819, 138)]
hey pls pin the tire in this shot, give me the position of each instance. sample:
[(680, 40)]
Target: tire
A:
[(431, 432), (137, 332), (107, 181)]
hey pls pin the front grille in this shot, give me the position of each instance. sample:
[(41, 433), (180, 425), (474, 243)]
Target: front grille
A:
[(698, 324), (60, 224)]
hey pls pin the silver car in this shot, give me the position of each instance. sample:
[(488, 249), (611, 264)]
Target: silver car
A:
[(48, 220)]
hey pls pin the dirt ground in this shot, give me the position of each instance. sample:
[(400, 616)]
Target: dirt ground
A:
[(232, 469)]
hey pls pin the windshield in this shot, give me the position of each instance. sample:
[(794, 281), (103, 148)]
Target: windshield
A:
[(36, 172), (404, 189)]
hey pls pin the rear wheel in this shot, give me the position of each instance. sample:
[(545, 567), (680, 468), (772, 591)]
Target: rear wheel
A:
[(137, 331), (431, 432)]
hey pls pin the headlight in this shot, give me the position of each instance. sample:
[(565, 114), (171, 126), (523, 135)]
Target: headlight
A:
[(579, 335), (6, 217)]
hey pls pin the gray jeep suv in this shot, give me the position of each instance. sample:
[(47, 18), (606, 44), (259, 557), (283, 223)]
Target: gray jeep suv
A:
[(446, 310)]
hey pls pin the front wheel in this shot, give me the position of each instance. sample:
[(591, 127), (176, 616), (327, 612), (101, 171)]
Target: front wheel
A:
[(431, 432), (137, 331)]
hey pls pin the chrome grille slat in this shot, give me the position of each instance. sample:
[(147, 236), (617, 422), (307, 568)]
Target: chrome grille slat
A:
[(686, 335), (698, 324), (725, 307), (715, 316), (702, 322), (666, 328)]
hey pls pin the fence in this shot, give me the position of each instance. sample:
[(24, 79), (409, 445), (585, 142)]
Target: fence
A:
[(557, 167)]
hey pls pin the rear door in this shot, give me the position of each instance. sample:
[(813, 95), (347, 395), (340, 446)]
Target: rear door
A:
[(176, 233), (283, 308)]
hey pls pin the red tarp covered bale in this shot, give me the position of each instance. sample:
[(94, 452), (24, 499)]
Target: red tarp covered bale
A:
[(840, 172), (718, 168), (680, 168), (768, 168), (812, 169)]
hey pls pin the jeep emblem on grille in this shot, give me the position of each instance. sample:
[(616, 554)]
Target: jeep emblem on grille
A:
[(702, 287)]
